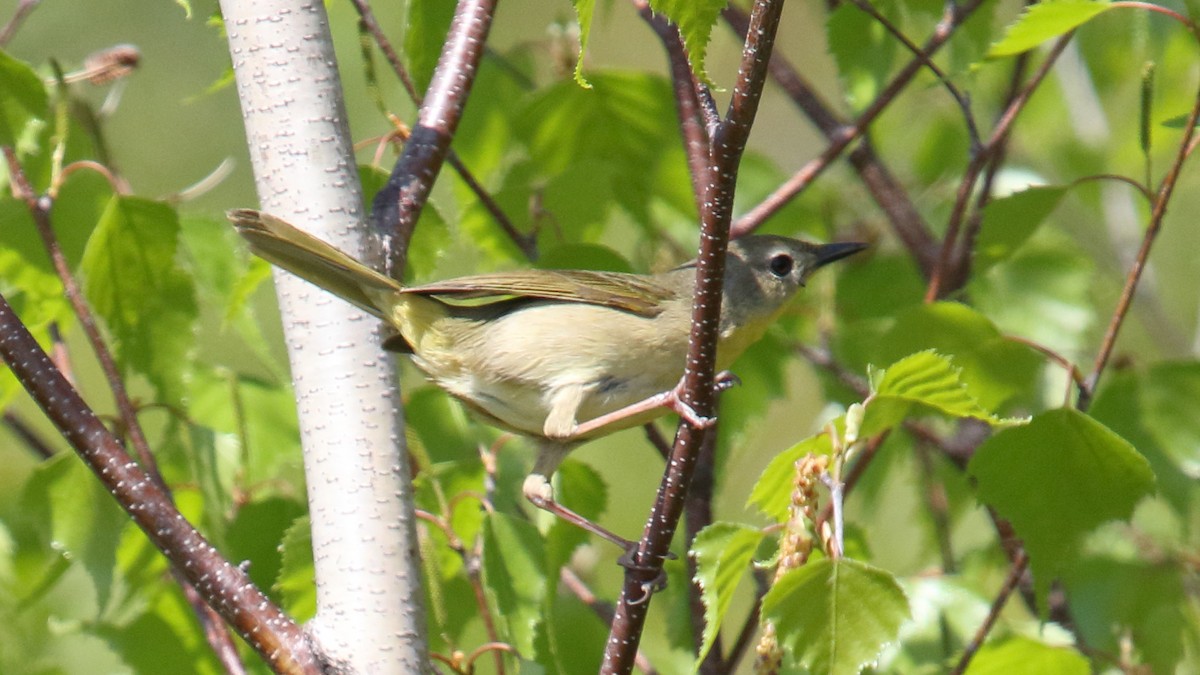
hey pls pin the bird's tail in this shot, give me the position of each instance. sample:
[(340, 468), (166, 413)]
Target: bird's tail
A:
[(313, 260)]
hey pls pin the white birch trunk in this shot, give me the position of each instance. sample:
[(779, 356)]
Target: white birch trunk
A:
[(370, 616)]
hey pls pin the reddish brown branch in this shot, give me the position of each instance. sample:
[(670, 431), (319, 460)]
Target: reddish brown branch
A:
[(728, 144)]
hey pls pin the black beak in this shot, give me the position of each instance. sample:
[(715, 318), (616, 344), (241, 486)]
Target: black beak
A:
[(827, 253)]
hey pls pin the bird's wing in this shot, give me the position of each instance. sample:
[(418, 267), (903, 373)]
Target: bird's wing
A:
[(635, 293)]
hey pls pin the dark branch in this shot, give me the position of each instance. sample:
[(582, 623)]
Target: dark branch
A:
[(399, 204)]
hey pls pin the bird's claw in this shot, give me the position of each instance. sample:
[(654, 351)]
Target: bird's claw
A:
[(725, 381), (649, 588)]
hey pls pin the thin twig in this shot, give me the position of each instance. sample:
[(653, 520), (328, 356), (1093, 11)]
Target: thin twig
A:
[(24, 9), (963, 103), (1010, 584), (954, 17), (1135, 273), (33, 440), (939, 283)]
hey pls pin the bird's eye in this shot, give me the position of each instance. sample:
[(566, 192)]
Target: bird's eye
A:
[(781, 264)]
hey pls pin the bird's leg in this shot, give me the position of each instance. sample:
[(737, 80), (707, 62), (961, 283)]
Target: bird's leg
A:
[(540, 493), (672, 399)]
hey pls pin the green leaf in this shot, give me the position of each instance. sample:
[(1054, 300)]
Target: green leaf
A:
[(22, 99), (584, 10), (695, 20), (426, 25), (723, 553), (514, 577), (1056, 479), (147, 301), (1023, 655), (926, 379), (1009, 221), (296, 582), (1044, 21), (995, 370), (836, 616), (593, 149), (1171, 410), (772, 493), (86, 522), (255, 534), (1114, 601), (864, 52), (1043, 294), (581, 489)]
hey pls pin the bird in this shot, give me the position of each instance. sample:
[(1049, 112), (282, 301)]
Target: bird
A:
[(558, 356)]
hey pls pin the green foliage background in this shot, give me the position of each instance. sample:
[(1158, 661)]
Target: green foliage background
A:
[(1105, 502)]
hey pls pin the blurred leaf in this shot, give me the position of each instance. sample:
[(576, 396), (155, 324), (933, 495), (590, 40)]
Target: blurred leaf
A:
[(230, 404), (583, 257), (723, 553), (864, 52), (1114, 601), (256, 533), (1171, 409), (515, 578), (22, 99), (581, 489), (147, 301), (1122, 405), (1044, 21), (593, 149), (1009, 221), (85, 521), (772, 493), (1041, 294), (1023, 655), (441, 424), (1056, 479), (296, 582), (425, 27), (1177, 122), (835, 616), (695, 20)]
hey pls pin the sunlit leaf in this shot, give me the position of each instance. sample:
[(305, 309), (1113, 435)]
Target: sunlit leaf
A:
[(926, 379), (836, 616), (1019, 654), (1044, 21), (723, 553), (773, 492), (695, 19), (296, 582), (1056, 479), (147, 300)]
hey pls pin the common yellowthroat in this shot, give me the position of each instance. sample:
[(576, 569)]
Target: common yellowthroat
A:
[(558, 356)]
